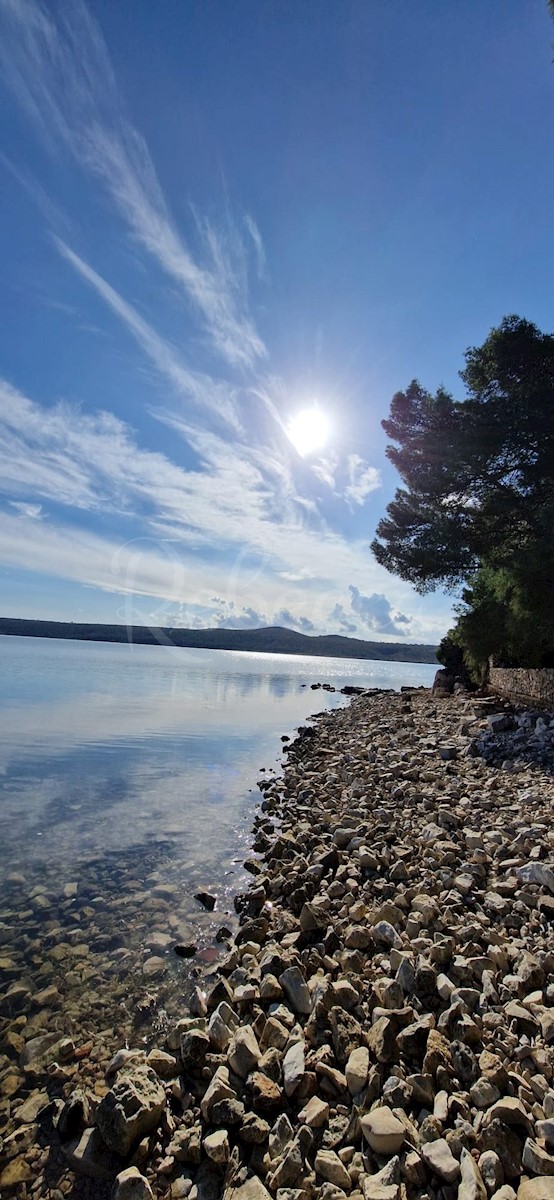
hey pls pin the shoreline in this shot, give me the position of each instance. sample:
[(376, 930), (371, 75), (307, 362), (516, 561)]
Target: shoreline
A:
[(394, 957), (271, 640)]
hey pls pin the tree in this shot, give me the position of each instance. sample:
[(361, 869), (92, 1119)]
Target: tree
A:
[(450, 653), (479, 476), (507, 615)]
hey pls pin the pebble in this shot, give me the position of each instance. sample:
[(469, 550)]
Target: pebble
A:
[(131, 1185), (383, 1131), (438, 1156), (381, 1028)]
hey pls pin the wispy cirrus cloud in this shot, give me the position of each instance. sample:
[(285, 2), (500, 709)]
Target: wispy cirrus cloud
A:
[(248, 520), (56, 63), (92, 461), (363, 479), (226, 524), (32, 511), (258, 244), (352, 481), (204, 391)]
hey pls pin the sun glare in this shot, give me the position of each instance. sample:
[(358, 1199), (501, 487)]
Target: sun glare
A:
[(309, 430)]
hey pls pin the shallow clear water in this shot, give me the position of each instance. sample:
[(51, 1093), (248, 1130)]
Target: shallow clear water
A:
[(128, 783), (105, 746)]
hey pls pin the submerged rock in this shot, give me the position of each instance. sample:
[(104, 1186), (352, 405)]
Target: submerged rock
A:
[(382, 1025)]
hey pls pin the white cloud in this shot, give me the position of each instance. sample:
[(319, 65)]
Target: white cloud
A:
[(238, 506), (363, 480), (378, 613), (32, 511), (52, 213), (353, 481), (232, 616), (204, 391), (56, 63), (325, 469), (339, 617), (258, 244), (285, 617)]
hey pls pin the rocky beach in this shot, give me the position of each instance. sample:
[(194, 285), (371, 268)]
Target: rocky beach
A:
[(381, 1026)]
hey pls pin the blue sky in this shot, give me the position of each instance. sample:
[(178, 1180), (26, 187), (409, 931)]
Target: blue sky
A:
[(214, 216)]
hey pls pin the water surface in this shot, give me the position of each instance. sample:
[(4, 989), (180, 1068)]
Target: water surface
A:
[(104, 746), (127, 783)]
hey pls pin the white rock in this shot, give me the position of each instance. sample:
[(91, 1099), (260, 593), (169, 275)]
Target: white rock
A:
[(280, 1136), (131, 1108), (491, 1169), (357, 1069), (131, 1185), (217, 1089), (244, 1052), (253, 1189), (383, 1131), (537, 1160), (472, 1186), (386, 934), (315, 1113), (293, 1068), (122, 1059), (545, 1129), (537, 1189), (329, 1166), (217, 1146), (296, 989), (439, 1158), (385, 1184), (222, 1025), (537, 872)]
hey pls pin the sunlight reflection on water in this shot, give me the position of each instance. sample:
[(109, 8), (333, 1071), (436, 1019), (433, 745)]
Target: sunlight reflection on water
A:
[(106, 745), (127, 784)]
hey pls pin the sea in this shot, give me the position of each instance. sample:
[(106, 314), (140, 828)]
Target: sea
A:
[(128, 786)]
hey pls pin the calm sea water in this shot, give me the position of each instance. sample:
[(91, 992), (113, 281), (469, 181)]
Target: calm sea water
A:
[(105, 746), (127, 784)]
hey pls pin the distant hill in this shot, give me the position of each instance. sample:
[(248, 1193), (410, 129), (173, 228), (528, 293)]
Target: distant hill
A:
[(273, 640)]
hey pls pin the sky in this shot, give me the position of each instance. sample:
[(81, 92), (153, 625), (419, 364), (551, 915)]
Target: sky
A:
[(229, 233)]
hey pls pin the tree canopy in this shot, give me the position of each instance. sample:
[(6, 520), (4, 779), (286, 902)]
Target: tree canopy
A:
[(477, 507)]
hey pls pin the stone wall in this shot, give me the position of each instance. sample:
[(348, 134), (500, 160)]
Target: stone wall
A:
[(522, 685)]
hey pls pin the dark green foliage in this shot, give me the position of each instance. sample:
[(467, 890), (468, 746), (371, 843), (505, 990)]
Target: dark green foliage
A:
[(451, 656), (478, 473), (478, 504), (507, 615)]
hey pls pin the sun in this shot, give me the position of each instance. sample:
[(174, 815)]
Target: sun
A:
[(309, 430)]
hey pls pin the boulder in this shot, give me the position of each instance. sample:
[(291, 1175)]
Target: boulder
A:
[(472, 1186), (330, 1168), (439, 1159), (293, 1068), (296, 990), (89, 1155), (383, 1131), (243, 1054), (131, 1185), (541, 1188), (253, 1189), (131, 1109)]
